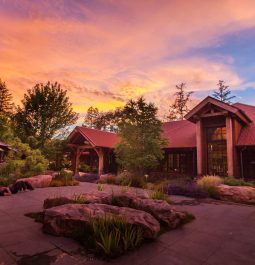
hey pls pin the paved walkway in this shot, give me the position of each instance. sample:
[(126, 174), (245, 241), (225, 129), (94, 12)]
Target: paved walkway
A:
[(222, 234)]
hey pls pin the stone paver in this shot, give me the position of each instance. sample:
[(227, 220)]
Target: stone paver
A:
[(221, 234)]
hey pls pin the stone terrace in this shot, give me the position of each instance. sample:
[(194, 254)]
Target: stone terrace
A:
[(222, 234)]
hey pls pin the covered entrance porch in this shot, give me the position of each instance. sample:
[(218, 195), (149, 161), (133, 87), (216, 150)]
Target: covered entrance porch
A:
[(93, 149)]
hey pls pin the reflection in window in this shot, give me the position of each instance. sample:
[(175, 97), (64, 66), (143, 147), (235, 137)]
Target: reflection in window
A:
[(216, 151)]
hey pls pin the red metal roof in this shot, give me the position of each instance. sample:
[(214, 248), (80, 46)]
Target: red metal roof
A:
[(99, 138), (247, 135), (180, 134)]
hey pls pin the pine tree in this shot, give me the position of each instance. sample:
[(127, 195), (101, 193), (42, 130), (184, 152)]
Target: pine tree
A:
[(140, 131), (6, 105), (179, 108), (223, 93)]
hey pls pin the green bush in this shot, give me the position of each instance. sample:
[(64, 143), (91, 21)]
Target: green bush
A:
[(23, 161), (84, 167), (237, 182), (64, 178), (127, 178)]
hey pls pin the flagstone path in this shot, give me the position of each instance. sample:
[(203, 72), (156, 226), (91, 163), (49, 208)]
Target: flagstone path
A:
[(221, 234)]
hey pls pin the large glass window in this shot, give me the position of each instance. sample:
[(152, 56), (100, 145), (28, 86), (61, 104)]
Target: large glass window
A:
[(216, 151), (178, 162)]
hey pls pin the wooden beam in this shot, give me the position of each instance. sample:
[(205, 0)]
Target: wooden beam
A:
[(221, 113), (77, 146), (200, 156), (230, 146)]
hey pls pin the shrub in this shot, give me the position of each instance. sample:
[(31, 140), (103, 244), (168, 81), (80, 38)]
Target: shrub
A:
[(189, 190), (127, 178), (84, 167), (213, 192), (64, 178), (209, 181), (237, 182)]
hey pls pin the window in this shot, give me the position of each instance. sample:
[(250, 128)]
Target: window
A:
[(177, 162), (216, 151)]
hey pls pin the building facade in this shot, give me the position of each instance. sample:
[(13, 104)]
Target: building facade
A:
[(214, 139)]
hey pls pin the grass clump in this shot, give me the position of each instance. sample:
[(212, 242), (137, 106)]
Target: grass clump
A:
[(79, 199), (100, 186), (113, 236), (158, 195), (209, 181)]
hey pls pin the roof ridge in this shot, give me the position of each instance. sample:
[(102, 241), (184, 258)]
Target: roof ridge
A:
[(83, 127), (244, 104)]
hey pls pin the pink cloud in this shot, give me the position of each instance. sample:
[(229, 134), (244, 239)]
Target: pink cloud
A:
[(108, 54)]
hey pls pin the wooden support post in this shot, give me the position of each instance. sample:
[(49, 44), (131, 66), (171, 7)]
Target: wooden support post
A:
[(77, 162), (200, 157), (230, 146), (100, 154)]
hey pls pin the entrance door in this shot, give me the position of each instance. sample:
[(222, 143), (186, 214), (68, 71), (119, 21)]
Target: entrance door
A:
[(216, 151)]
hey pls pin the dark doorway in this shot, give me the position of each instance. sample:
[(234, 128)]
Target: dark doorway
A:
[(248, 160)]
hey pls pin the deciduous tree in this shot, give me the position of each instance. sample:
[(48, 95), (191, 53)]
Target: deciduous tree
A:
[(45, 110)]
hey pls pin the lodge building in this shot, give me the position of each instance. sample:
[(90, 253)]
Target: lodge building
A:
[(215, 138)]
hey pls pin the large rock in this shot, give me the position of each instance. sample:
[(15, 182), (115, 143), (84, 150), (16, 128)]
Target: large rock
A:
[(242, 194), (65, 219), (160, 209), (40, 181)]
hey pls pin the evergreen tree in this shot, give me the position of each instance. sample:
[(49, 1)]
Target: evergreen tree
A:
[(140, 134), (6, 105), (179, 108), (223, 93)]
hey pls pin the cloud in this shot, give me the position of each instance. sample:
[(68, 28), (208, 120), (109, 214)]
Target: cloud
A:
[(105, 54)]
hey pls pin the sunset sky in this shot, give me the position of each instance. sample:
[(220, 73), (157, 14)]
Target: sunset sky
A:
[(105, 52)]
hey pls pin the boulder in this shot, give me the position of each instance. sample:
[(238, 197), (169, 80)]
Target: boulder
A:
[(65, 219), (40, 181), (160, 209), (241, 194)]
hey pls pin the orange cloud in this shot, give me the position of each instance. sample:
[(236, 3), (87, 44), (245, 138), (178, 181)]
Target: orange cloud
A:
[(105, 54)]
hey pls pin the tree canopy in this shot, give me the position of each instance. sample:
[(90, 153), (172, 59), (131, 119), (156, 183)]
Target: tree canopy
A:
[(107, 121), (45, 110), (140, 134), (179, 108), (223, 93)]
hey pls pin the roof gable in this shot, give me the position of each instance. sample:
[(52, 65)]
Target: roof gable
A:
[(96, 138), (221, 106)]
